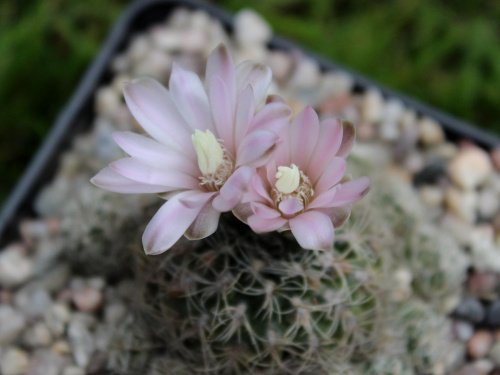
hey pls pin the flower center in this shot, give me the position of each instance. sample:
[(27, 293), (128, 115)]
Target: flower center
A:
[(292, 183), (215, 163)]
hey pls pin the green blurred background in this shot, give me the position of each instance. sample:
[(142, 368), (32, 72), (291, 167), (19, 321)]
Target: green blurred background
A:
[(446, 53)]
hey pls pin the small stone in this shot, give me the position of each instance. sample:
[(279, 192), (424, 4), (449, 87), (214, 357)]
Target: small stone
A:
[(139, 46), (495, 158), (107, 100), (73, 370), (463, 330), (484, 366), (470, 310), (431, 196), (481, 283), (44, 362), (468, 369), (431, 133), (336, 84), (306, 75), (14, 362), (97, 283), (281, 64), (408, 120), (12, 323), (388, 131), (55, 278), (488, 203), (432, 173), (251, 29), (38, 335), (493, 315), (372, 106), (462, 204), (87, 299), (61, 347), (365, 131), (32, 301), (495, 353), (56, 318), (15, 267), (166, 39), (82, 342), (114, 313), (479, 344), (470, 167)]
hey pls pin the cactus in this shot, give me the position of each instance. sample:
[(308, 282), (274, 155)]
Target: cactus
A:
[(239, 302)]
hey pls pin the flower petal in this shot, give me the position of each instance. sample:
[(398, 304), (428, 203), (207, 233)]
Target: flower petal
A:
[(331, 175), (137, 170), (197, 200), (273, 116), (291, 206), (273, 98), (205, 224), (264, 211), (224, 205), (245, 109), (222, 112), (304, 132), (189, 95), (257, 191), (221, 64), (243, 211), (329, 140), (325, 199), (261, 225), (152, 106), (338, 215), (256, 148), (313, 230), (351, 191), (168, 224), (108, 179), (237, 183), (256, 74), (154, 153), (348, 138)]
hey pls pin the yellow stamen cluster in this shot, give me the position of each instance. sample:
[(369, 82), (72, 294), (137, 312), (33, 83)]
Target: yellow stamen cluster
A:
[(215, 163)]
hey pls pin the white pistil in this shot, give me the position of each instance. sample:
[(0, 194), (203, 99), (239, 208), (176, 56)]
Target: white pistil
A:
[(288, 179), (209, 151)]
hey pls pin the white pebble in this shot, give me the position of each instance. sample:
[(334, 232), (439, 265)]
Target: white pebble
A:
[(56, 318), (488, 203), (372, 106), (73, 370), (251, 29), (14, 362), (430, 132), (12, 323), (15, 267), (37, 335), (470, 167), (462, 204)]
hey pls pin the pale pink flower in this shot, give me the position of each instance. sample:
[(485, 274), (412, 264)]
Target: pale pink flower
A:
[(300, 188), (205, 145)]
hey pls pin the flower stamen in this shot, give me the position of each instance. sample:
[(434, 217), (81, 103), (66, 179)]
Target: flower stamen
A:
[(292, 183)]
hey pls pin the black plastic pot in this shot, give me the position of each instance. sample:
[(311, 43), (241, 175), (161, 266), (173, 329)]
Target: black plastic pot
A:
[(77, 116)]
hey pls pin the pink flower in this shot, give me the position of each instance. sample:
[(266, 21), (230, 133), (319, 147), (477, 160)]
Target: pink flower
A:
[(204, 145), (300, 188)]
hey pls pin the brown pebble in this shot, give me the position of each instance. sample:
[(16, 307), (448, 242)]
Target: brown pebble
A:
[(479, 344), (87, 299), (334, 104), (495, 158), (482, 282)]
